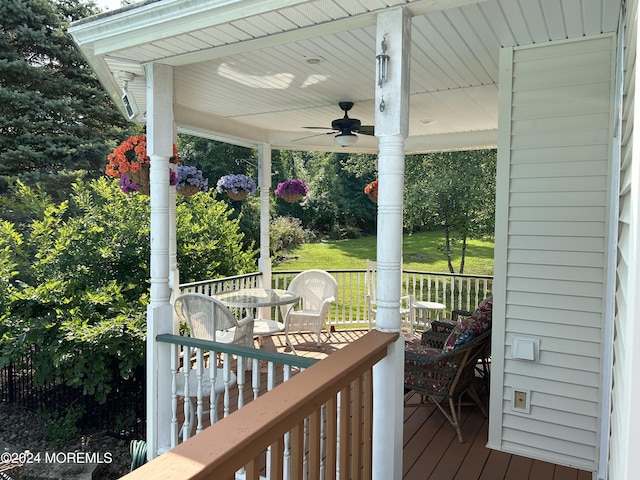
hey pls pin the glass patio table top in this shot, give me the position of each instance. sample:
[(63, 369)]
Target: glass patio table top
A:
[(257, 297)]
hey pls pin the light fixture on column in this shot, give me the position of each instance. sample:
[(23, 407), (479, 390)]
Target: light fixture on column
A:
[(346, 138), (382, 61), (127, 100)]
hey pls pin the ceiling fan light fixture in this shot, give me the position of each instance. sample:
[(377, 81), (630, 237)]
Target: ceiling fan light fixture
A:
[(346, 139)]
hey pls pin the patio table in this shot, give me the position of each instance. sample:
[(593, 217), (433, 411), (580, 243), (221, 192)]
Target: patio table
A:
[(422, 313), (253, 298)]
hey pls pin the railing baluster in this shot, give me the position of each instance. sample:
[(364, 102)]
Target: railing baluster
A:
[(175, 357), (213, 396), (344, 407), (314, 436), (367, 427), (226, 377), (331, 419), (297, 451), (186, 369), (255, 378), (276, 464), (199, 375), (240, 380)]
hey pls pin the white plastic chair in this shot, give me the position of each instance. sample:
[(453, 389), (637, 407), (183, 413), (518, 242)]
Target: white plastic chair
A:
[(209, 319), (317, 290), (406, 313)]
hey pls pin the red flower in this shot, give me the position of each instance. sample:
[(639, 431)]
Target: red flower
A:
[(372, 188), (130, 155)]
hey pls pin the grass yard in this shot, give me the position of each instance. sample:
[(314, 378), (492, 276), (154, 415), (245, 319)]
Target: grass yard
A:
[(422, 251)]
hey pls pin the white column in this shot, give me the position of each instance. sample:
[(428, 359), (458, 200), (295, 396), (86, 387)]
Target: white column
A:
[(392, 117), (174, 274), (264, 185), (160, 135)]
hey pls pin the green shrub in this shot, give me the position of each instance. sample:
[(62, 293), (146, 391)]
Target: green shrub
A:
[(77, 307), (62, 427), (286, 233)]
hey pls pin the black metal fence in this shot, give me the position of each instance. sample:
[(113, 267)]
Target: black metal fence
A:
[(123, 413)]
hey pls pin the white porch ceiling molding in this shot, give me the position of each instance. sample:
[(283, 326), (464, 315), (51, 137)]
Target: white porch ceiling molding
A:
[(251, 72)]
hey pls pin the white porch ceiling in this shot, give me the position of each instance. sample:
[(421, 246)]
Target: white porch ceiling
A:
[(242, 74)]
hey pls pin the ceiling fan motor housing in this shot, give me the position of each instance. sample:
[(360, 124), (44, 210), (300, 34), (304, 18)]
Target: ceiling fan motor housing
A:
[(346, 124)]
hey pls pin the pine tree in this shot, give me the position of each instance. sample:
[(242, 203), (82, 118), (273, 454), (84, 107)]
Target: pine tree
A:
[(54, 114)]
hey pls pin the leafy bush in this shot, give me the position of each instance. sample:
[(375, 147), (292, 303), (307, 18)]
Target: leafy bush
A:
[(75, 280), (62, 427), (286, 233)]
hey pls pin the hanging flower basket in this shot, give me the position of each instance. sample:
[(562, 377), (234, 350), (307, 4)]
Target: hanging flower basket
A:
[(190, 181), (129, 162), (291, 191), (372, 191), (188, 190), (139, 179), (237, 186), (291, 197), (239, 195), (128, 183)]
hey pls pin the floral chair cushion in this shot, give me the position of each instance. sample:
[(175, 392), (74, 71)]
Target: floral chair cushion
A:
[(436, 378), (471, 327)]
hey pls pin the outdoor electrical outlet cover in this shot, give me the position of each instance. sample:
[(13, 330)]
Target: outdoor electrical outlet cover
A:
[(521, 400)]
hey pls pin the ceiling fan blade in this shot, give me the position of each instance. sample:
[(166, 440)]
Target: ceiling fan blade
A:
[(366, 130), (311, 136)]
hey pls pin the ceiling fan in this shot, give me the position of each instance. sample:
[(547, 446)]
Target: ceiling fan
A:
[(346, 127)]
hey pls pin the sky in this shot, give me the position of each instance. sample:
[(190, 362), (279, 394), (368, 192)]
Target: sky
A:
[(108, 4)]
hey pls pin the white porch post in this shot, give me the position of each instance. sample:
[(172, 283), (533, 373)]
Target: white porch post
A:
[(264, 185), (392, 116), (160, 135)]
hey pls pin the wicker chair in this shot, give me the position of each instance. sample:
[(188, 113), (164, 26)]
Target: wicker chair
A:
[(209, 319), (317, 290), (445, 377)]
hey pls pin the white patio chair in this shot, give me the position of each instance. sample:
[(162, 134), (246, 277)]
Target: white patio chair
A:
[(209, 319), (317, 290), (406, 313)]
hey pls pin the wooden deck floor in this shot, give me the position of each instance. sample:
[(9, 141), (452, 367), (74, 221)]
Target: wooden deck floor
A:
[(431, 449)]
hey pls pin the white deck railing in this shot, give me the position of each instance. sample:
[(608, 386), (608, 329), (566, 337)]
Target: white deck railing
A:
[(240, 375), (456, 291)]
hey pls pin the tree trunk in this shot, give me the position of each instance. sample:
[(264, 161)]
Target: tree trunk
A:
[(463, 253), (447, 232)]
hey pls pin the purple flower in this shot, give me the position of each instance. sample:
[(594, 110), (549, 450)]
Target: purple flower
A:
[(236, 182), (173, 178), (295, 186), (127, 185), (191, 176)]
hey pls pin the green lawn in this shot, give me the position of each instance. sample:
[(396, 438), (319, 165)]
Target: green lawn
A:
[(422, 251)]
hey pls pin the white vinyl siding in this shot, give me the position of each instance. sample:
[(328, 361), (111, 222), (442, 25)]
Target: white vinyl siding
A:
[(625, 417), (552, 217)]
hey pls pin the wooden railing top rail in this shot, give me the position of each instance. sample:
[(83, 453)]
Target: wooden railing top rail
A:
[(220, 450)]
